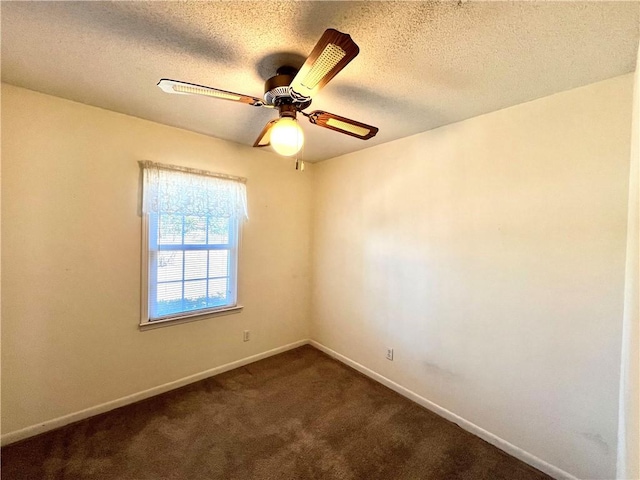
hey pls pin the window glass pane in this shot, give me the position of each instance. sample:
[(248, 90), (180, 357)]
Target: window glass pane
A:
[(169, 298), (195, 290), (218, 263), (218, 291), (169, 266), (195, 264), (195, 230), (218, 231), (169, 291), (170, 229), (195, 295)]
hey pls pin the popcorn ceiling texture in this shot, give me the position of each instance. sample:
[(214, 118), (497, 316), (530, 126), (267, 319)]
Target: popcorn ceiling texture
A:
[(421, 64)]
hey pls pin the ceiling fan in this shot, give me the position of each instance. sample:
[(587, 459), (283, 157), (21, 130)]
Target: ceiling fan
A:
[(291, 91)]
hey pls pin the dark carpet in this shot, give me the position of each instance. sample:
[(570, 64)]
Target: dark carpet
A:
[(297, 415)]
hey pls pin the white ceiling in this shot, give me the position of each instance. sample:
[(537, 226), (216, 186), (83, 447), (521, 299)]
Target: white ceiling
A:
[(421, 64)]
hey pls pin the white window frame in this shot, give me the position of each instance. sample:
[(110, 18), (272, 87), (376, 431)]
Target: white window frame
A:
[(235, 233)]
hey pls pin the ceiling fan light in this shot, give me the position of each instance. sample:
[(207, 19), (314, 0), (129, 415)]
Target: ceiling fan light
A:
[(287, 137)]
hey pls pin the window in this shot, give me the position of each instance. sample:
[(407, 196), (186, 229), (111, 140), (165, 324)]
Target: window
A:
[(191, 223)]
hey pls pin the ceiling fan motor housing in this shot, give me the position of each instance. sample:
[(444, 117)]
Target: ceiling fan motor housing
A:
[(277, 92)]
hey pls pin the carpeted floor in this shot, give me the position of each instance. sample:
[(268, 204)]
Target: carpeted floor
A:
[(298, 415)]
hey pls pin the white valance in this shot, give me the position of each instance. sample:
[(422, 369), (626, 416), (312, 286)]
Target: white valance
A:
[(183, 191)]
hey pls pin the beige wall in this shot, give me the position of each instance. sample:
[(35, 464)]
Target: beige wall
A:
[(71, 258), (629, 422), (490, 255)]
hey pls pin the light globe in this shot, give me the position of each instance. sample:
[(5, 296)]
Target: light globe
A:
[(287, 137)]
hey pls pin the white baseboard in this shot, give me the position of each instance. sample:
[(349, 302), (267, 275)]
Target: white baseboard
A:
[(489, 437), (32, 430)]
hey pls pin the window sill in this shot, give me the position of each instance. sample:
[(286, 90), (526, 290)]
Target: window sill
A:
[(190, 318)]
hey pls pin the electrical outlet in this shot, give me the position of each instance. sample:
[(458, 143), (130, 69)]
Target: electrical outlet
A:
[(389, 353), (245, 336)]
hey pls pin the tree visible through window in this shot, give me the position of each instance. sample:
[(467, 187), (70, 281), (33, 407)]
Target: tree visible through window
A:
[(192, 221)]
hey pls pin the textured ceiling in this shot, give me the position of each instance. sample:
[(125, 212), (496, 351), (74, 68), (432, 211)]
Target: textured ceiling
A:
[(421, 64)]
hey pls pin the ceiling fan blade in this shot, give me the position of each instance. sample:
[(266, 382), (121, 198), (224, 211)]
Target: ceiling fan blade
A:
[(342, 124), (331, 54), (264, 139), (184, 88)]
